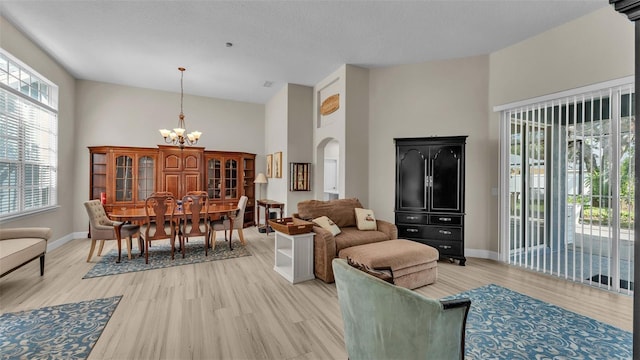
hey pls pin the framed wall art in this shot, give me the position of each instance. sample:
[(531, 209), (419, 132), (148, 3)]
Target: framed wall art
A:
[(299, 177), (269, 163), (277, 164)]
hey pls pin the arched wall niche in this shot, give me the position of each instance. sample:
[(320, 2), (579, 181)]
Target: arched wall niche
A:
[(327, 174)]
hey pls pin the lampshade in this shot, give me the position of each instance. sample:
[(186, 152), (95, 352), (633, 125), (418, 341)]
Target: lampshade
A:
[(260, 179)]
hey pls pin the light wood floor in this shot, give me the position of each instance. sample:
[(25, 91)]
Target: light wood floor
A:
[(242, 309)]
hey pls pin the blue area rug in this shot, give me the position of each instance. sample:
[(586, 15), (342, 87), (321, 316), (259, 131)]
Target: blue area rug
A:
[(504, 324), (66, 331), (160, 257)]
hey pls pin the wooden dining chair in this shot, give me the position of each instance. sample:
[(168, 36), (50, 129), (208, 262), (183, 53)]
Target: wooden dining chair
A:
[(160, 223), (194, 221)]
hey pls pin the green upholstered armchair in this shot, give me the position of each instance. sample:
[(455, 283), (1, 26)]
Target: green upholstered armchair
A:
[(384, 321)]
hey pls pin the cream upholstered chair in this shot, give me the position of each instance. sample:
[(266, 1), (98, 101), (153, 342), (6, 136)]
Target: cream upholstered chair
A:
[(384, 321), (238, 222), (103, 228), (20, 246)]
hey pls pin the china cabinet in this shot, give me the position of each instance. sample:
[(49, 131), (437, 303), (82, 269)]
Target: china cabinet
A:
[(126, 176), (180, 169), (228, 176)]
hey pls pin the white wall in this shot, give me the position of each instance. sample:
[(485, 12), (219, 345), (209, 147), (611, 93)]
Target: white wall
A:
[(111, 114), (356, 102), (348, 126), (327, 128), (59, 220)]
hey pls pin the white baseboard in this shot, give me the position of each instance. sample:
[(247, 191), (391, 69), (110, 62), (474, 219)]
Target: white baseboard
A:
[(483, 254), (52, 245)]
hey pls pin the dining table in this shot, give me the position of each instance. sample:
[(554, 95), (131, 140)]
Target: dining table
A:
[(137, 215)]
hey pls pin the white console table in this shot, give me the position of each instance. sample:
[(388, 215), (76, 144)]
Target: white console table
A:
[(294, 256)]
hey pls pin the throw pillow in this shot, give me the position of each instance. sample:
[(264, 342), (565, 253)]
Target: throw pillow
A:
[(386, 275), (327, 224), (365, 219)]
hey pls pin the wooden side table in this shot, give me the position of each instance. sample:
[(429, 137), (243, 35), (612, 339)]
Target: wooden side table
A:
[(294, 256), (268, 204)]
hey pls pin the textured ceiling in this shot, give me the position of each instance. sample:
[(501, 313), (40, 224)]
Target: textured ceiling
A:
[(142, 43)]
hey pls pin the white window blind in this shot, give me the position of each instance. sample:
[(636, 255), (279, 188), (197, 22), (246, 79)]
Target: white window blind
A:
[(28, 139), (567, 174)]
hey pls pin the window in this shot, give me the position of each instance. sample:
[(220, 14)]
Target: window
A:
[(568, 159), (28, 139)]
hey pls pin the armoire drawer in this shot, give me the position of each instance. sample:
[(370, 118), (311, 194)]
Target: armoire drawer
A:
[(430, 232), (443, 233), (445, 219), (452, 248), (408, 218), (412, 231)]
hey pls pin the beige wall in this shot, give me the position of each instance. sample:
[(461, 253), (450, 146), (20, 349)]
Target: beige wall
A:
[(111, 114), (456, 97), (450, 97), (289, 129), (275, 133), (22, 48), (299, 138), (440, 98), (595, 48)]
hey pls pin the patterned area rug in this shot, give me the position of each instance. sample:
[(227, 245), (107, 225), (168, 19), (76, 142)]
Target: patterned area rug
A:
[(66, 331), (504, 324), (160, 257)]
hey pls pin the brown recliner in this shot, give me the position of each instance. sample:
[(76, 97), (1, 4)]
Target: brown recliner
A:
[(326, 246)]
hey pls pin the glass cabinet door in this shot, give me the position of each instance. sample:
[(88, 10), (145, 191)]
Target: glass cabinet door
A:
[(412, 178), (124, 178), (214, 179), (98, 175), (445, 173), (146, 177), (231, 179)]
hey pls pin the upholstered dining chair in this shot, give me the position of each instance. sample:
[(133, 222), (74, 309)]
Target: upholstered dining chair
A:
[(103, 228), (160, 222), (384, 321), (195, 222), (238, 222)]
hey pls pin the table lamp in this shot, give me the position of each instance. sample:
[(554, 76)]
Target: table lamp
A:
[(260, 179)]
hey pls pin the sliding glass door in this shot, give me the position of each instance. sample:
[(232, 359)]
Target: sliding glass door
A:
[(568, 186)]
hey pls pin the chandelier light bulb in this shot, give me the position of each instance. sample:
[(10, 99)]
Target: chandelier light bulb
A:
[(177, 136)]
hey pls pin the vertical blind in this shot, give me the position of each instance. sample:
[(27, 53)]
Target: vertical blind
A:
[(568, 166)]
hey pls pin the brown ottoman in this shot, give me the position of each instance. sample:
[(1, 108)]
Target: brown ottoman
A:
[(411, 263)]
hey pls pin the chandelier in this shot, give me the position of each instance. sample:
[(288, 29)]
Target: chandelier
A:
[(177, 136)]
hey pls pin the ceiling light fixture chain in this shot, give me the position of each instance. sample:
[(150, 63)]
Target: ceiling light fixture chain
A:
[(177, 136)]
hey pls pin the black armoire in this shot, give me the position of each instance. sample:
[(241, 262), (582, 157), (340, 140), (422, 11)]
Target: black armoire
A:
[(430, 193)]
